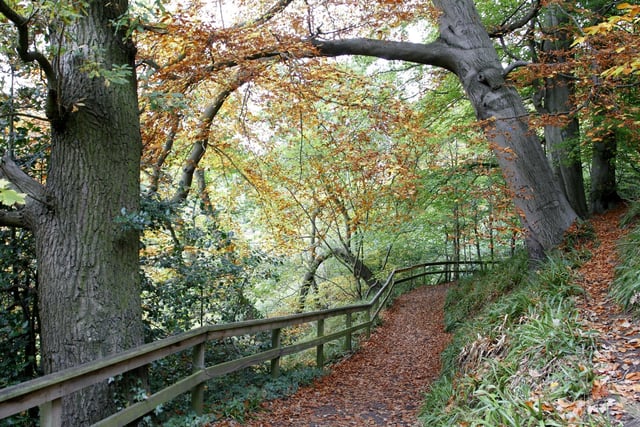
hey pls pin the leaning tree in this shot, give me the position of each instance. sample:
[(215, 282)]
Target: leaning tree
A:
[(463, 46)]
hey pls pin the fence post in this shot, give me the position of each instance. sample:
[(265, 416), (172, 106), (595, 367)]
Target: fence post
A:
[(320, 347), (197, 393), (51, 413), (367, 318), (347, 338), (275, 343)]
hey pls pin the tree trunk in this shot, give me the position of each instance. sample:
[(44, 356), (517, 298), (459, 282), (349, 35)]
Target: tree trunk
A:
[(88, 260), (464, 48), (562, 134), (604, 195), (309, 279), (544, 211)]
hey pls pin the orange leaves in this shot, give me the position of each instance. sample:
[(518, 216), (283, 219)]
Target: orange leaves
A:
[(383, 384), (617, 40)]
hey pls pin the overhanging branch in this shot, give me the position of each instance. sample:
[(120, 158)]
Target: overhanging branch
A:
[(436, 53), (22, 25)]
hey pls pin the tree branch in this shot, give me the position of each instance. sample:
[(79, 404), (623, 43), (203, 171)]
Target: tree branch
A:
[(22, 24), (436, 53), (202, 138), (23, 182), (507, 27), (513, 66), (278, 7)]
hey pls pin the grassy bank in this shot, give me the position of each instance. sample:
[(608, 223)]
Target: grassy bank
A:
[(520, 355)]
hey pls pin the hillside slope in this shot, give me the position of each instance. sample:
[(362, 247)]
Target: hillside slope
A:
[(545, 347)]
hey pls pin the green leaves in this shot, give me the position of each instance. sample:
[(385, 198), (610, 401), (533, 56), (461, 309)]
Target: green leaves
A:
[(8, 196)]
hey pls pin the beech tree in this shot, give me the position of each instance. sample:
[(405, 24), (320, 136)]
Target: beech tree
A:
[(88, 272), (464, 48)]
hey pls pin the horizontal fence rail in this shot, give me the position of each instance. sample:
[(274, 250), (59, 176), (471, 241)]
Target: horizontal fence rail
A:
[(47, 391)]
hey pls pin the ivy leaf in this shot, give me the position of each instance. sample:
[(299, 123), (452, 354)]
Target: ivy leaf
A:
[(9, 197)]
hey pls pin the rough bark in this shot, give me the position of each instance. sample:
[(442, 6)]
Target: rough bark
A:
[(603, 194), (562, 138), (88, 272), (464, 48)]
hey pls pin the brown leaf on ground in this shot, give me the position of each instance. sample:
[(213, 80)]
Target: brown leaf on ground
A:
[(618, 356), (383, 383)]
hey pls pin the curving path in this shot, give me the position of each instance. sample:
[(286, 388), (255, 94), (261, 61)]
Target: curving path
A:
[(383, 383)]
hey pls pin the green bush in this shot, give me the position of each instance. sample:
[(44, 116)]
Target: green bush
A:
[(626, 286)]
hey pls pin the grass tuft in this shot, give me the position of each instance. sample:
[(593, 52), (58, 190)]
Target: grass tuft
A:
[(520, 355), (626, 286)]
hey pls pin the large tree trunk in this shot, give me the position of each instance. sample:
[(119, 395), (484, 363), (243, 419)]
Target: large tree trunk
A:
[(544, 210), (464, 48), (87, 259), (562, 133)]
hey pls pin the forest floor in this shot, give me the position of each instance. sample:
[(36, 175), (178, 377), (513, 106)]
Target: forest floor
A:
[(617, 388), (383, 383)]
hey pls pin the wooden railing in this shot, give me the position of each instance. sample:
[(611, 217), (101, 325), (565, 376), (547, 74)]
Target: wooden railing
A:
[(47, 391)]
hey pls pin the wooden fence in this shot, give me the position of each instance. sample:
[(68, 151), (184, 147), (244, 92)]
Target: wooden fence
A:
[(47, 391)]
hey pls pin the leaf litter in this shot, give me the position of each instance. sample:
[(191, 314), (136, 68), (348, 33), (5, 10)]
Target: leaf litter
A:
[(384, 382), (616, 390)]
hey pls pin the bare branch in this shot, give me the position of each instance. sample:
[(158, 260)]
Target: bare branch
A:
[(278, 7), (513, 66), (507, 27), (22, 25), (436, 53)]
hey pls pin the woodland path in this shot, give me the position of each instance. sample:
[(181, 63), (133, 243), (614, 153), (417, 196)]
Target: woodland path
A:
[(383, 383), (617, 388)]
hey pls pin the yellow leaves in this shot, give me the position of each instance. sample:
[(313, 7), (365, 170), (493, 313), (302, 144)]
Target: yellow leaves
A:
[(616, 41)]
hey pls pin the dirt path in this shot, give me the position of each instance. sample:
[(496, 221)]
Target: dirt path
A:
[(617, 389), (383, 384)]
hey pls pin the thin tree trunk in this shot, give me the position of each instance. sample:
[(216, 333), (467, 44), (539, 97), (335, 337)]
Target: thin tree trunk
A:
[(562, 138), (604, 193)]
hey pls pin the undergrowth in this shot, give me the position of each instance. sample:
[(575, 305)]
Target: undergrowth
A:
[(520, 355), (626, 286), (235, 395)]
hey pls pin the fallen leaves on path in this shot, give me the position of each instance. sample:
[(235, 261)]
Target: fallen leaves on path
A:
[(617, 389), (383, 383)]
